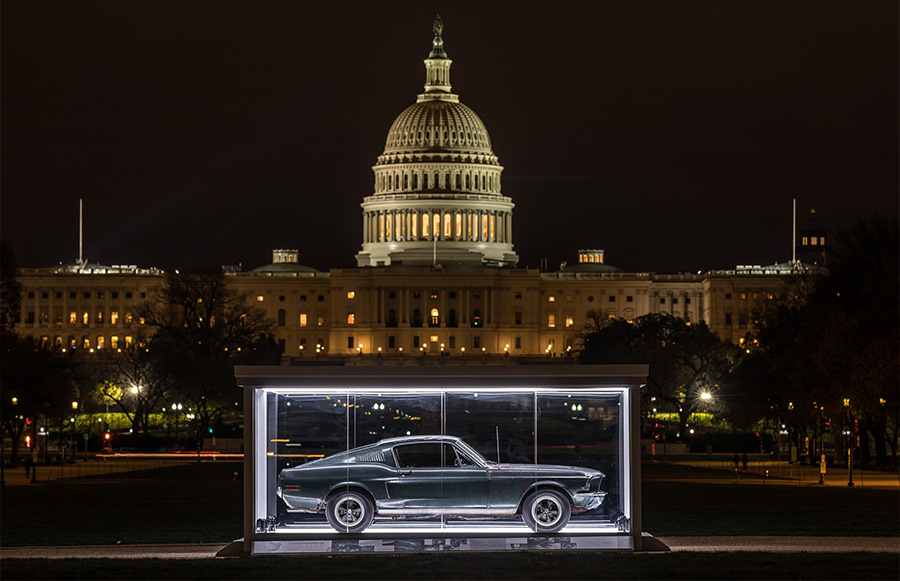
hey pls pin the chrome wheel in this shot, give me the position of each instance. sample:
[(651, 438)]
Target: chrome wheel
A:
[(546, 510), (349, 510)]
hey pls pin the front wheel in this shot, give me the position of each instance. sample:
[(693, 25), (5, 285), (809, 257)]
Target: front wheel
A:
[(546, 511), (349, 511)]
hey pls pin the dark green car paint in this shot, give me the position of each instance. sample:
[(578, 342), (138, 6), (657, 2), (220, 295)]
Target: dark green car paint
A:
[(464, 485)]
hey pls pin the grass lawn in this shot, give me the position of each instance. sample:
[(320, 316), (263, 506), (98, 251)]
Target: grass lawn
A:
[(475, 566), (686, 508), (200, 503)]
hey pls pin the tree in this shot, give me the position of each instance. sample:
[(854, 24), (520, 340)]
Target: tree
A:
[(133, 380), (828, 346), (10, 290), (35, 381), (201, 327), (686, 359)]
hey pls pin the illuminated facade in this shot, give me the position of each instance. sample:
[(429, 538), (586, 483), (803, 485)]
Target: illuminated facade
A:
[(436, 274)]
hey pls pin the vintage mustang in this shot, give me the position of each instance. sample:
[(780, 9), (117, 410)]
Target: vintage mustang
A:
[(422, 476)]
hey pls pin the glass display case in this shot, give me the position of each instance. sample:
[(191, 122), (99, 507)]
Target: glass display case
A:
[(399, 458)]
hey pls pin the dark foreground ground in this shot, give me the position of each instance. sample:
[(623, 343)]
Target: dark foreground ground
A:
[(200, 503)]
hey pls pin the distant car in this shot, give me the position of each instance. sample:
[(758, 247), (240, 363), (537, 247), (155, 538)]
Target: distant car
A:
[(420, 476)]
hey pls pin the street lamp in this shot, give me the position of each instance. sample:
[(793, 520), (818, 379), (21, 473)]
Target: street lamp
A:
[(705, 396), (849, 442)]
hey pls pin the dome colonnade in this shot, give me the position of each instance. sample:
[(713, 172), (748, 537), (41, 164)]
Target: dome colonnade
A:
[(437, 192)]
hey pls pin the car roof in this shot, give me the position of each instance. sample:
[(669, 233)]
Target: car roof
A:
[(425, 438)]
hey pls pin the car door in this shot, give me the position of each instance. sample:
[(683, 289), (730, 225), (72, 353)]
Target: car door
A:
[(419, 482), (465, 483)]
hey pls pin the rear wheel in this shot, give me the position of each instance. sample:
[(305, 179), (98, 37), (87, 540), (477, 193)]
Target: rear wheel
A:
[(349, 511), (546, 511)]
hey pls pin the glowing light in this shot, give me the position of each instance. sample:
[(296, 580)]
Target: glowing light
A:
[(705, 396)]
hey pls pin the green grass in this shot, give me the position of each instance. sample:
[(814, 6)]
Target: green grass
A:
[(182, 504), (535, 565), (686, 508), (200, 503)]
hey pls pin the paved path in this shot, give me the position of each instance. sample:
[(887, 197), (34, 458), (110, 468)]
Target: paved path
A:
[(692, 544), (785, 544)]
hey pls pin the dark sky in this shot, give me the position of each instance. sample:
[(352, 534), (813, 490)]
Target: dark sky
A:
[(671, 134)]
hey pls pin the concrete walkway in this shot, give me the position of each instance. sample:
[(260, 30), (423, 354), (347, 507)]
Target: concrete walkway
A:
[(688, 544), (773, 544)]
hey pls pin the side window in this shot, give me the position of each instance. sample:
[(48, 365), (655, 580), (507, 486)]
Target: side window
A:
[(421, 455)]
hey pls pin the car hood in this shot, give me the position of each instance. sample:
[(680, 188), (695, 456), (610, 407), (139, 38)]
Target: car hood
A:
[(547, 469)]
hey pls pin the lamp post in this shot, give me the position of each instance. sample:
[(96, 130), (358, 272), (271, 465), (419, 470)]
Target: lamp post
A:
[(849, 443), (822, 447), (72, 444)]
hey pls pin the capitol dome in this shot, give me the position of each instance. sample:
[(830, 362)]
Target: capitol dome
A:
[(437, 196), (436, 124)]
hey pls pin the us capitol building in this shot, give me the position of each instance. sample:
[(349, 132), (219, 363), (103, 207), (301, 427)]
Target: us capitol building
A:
[(436, 278)]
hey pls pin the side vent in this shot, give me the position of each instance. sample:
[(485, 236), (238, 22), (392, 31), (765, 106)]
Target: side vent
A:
[(375, 456)]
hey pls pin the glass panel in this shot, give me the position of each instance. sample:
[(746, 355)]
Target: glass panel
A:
[(582, 429)]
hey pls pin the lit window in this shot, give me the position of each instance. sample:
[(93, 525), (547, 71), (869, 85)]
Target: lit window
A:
[(351, 318), (743, 296), (551, 299), (320, 321), (141, 320), (128, 341), (114, 318), (101, 341), (822, 240), (381, 227), (493, 224), (351, 294), (99, 317), (425, 222), (260, 298), (551, 320), (459, 225), (436, 223), (484, 227), (434, 338), (114, 342), (86, 318), (127, 318), (805, 241), (814, 241), (73, 317), (303, 319), (448, 232), (415, 225), (85, 343), (469, 225), (435, 317), (569, 321)]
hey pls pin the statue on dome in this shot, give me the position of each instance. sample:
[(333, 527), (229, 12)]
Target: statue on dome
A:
[(437, 50), (438, 26)]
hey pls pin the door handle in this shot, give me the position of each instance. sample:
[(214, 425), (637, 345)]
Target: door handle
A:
[(405, 473)]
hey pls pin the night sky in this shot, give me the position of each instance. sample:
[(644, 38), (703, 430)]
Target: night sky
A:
[(671, 134)]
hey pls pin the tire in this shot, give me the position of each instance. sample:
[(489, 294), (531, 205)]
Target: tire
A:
[(349, 511), (546, 511)]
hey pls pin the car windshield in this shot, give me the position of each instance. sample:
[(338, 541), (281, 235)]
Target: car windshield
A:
[(470, 452)]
